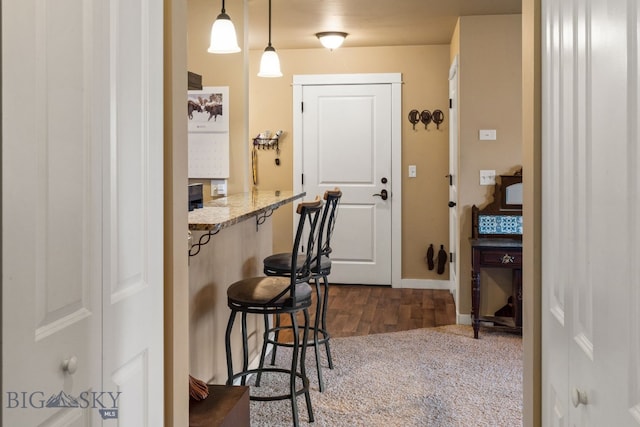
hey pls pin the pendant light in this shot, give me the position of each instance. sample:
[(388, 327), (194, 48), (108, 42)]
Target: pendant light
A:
[(270, 63), (223, 35)]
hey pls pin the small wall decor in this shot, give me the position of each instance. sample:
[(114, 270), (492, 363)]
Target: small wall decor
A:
[(208, 109), (438, 117), (425, 117), (414, 117), (208, 138)]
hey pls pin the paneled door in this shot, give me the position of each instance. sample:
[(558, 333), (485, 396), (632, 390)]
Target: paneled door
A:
[(82, 326), (454, 238), (590, 211), (346, 143)]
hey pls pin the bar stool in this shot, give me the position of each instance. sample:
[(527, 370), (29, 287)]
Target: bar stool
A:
[(280, 265), (279, 295)]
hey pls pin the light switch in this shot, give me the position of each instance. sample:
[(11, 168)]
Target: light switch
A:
[(487, 177), (412, 171), (487, 134)]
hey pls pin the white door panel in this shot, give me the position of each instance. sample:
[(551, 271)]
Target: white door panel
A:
[(347, 144), (82, 203), (51, 211), (590, 207), (454, 238), (133, 277)]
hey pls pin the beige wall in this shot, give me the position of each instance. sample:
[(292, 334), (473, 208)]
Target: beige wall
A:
[(176, 275), (531, 269), (425, 75), (222, 70), (490, 97)]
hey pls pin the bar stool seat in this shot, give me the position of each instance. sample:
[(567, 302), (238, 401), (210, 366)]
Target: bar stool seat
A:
[(269, 295)]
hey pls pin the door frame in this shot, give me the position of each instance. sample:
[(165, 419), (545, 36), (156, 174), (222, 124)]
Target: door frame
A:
[(395, 80), (454, 158)]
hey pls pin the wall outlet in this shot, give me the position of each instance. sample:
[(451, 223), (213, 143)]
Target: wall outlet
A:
[(218, 187), (412, 171), (487, 135), (487, 177)]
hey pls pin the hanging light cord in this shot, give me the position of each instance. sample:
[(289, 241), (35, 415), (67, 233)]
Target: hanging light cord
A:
[(223, 11), (269, 23)]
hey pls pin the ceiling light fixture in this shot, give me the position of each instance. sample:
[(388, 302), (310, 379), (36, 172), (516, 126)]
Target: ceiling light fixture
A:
[(223, 35), (331, 39), (269, 63)]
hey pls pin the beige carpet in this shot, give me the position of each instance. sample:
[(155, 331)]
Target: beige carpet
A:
[(424, 377)]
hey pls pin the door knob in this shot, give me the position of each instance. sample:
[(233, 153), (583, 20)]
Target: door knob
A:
[(70, 365), (451, 204), (578, 397), (383, 194)]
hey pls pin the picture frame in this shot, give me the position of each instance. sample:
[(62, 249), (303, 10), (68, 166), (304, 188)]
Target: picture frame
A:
[(208, 109)]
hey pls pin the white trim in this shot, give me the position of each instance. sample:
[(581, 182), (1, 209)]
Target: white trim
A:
[(395, 80), (347, 79), (426, 284), (463, 319)]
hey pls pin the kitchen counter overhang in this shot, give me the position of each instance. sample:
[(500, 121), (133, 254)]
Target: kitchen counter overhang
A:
[(226, 211)]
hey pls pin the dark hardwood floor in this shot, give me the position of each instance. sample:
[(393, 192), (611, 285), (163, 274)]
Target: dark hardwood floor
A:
[(361, 310)]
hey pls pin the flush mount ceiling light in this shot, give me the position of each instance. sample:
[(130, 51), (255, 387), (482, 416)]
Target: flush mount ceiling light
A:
[(223, 35), (331, 39), (270, 63)]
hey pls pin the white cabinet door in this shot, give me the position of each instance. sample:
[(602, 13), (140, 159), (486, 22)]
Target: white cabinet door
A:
[(590, 207), (82, 212)]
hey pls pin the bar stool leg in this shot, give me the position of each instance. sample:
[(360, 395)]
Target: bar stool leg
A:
[(275, 338), (325, 301), (264, 349), (294, 368), (316, 329), (245, 348), (227, 344), (303, 369)]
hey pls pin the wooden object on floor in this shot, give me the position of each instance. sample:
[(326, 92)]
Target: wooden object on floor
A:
[(226, 406), (355, 310)]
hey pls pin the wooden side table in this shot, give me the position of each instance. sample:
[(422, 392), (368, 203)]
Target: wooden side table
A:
[(226, 406), (496, 253)]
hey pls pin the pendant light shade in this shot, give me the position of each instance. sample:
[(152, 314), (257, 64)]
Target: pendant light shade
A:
[(223, 35), (269, 63), (331, 39)]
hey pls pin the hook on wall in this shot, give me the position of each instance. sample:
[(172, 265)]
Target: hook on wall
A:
[(438, 117), (414, 117), (425, 117)]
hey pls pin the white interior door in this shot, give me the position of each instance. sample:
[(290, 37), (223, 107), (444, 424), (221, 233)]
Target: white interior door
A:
[(454, 238), (347, 144), (590, 206), (81, 210), (133, 206)]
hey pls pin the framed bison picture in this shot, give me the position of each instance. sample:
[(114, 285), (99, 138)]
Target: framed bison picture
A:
[(208, 109)]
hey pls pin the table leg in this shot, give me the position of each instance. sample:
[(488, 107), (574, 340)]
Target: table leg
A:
[(475, 302)]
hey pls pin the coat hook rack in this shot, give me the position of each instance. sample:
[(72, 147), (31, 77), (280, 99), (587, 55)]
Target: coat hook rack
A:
[(268, 141)]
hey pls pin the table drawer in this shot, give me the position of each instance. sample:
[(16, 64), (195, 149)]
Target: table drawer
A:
[(501, 258)]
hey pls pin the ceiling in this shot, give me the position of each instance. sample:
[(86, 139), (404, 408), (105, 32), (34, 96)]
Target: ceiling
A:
[(368, 22)]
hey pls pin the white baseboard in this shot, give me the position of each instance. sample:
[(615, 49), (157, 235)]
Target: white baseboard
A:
[(463, 319), (425, 284)]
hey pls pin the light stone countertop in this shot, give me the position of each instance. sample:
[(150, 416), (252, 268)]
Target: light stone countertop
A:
[(226, 211)]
